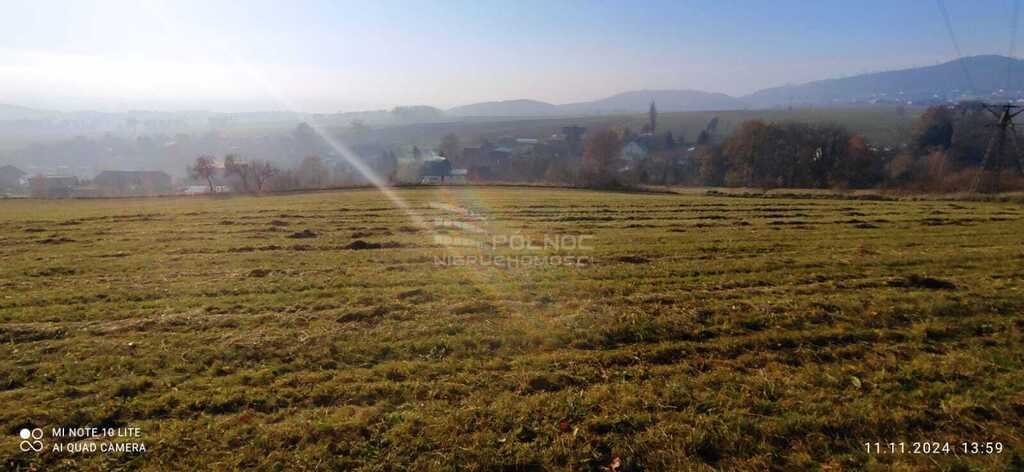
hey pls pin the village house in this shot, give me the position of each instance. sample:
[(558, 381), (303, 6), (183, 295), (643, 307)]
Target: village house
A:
[(53, 186), (458, 176), (434, 171), (11, 177), (633, 152), (485, 162), (204, 189), (440, 171)]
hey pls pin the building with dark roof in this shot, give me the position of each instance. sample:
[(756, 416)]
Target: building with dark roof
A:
[(10, 177)]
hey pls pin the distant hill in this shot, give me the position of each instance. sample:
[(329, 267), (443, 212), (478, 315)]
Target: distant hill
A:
[(666, 100), (627, 102), (919, 84), (506, 108), (14, 112)]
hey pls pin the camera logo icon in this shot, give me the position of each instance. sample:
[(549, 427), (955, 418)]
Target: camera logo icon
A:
[(31, 440)]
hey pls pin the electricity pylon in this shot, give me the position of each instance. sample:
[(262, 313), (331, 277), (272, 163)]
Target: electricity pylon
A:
[(996, 157)]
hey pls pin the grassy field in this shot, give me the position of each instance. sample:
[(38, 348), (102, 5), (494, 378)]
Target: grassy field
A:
[(320, 331)]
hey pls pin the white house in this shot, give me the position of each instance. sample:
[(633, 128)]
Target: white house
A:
[(453, 177), (457, 176), (633, 152), (202, 189)]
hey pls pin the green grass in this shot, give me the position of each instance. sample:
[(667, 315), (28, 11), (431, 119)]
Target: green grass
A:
[(709, 332)]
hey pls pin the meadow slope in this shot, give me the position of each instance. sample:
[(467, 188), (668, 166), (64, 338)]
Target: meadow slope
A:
[(318, 331)]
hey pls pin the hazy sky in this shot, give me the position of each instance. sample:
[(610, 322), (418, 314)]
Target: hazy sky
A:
[(333, 55)]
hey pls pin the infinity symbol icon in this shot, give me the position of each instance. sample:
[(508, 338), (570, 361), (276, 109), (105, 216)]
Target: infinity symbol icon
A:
[(35, 446)]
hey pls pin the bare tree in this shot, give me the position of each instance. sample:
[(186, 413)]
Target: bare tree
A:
[(204, 169), (711, 165), (600, 152), (262, 171), (387, 165), (233, 165), (312, 172)]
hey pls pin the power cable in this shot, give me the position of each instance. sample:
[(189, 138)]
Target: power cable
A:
[(1013, 44), (956, 44)]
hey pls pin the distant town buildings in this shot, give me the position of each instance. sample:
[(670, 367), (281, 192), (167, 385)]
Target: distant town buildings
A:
[(554, 156), (111, 183)]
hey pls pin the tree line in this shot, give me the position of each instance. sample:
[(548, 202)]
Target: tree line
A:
[(943, 152), (258, 175)]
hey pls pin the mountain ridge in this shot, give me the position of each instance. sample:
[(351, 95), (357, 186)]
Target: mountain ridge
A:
[(936, 83), (970, 77), (976, 76)]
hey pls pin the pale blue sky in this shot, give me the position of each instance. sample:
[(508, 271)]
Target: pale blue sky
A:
[(334, 55)]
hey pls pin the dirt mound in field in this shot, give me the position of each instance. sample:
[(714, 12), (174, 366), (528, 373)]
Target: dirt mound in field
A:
[(304, 234), (416, 296), (359, 244), (920, 281), (56, 240), (631, 259), (53, 272)]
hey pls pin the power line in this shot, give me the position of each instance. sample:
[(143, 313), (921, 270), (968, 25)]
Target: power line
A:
[(956, 44), (1013, 43)]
